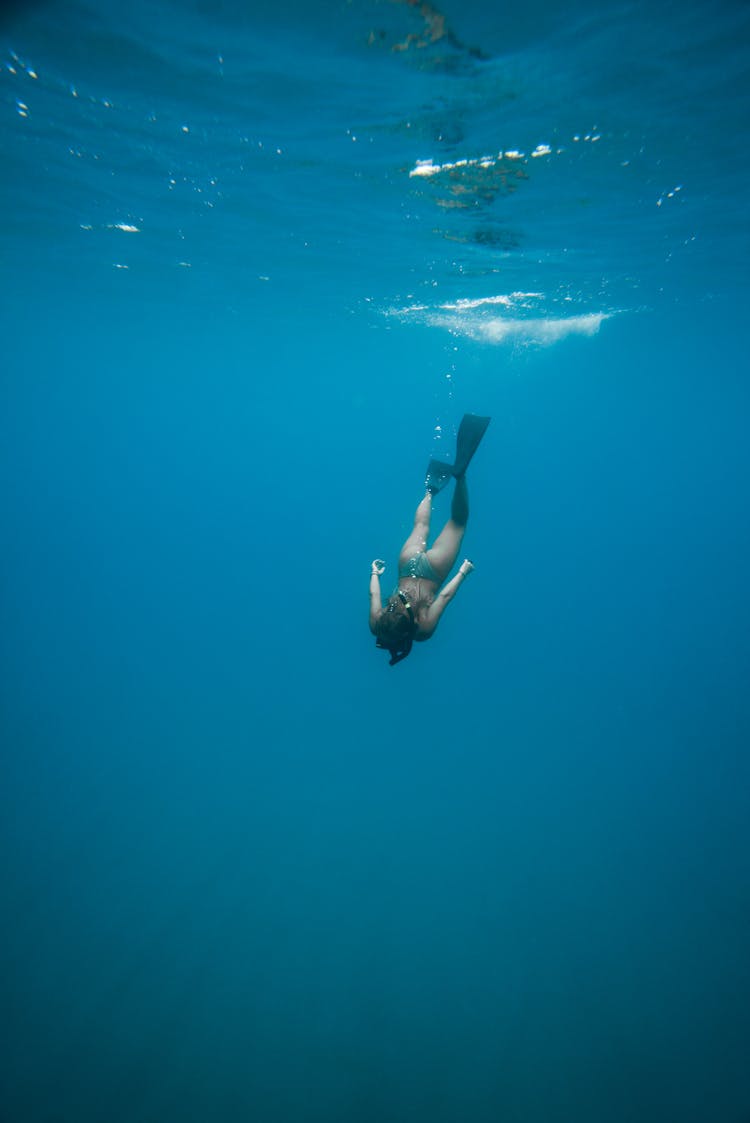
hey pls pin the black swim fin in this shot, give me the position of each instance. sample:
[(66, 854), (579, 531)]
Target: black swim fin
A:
[(470, 432), (438, 475)]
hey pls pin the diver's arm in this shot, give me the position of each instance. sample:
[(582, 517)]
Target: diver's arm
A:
[(376, 606), (444, 597)]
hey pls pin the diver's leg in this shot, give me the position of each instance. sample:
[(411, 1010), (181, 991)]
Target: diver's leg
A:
[(417, 540), (444, 551)]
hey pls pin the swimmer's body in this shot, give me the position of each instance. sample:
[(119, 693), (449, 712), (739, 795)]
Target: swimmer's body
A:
[(413, 612)]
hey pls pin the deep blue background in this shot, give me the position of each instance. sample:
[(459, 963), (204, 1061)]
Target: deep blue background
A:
[(250, 871)]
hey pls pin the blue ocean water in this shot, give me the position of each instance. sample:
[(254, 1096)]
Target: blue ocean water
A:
[(255, 266)]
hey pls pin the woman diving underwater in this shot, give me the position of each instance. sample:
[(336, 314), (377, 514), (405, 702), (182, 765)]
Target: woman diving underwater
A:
[(413, 612)]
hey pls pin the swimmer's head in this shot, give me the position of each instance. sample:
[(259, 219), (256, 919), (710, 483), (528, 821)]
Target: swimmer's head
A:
[(396, 627)]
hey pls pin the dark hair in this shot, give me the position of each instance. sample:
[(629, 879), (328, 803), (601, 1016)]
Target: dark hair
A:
[(395, 628)]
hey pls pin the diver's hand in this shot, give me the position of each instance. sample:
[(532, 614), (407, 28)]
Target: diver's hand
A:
[(378, 567), (466, 567)]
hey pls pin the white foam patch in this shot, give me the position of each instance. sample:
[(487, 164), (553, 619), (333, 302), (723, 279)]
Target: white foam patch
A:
[(425, 169), (465, 305), (500, 329), (514, 318)]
